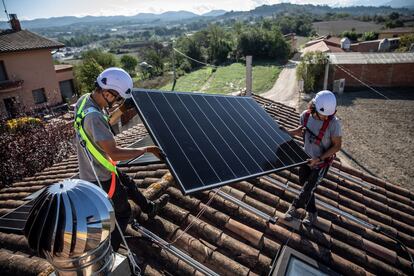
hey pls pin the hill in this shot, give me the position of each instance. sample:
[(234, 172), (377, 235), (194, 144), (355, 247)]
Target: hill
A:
[(215, 13), (283, 8), (135, 19), (186, 17)]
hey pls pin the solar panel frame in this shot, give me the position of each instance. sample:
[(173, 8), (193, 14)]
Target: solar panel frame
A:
[(142, 160), (15, 220), (184, 189)]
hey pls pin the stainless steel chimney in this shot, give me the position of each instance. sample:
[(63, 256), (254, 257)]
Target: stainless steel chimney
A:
[(70, 224)]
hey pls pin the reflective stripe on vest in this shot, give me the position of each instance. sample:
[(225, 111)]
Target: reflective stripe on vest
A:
[(107, 164)]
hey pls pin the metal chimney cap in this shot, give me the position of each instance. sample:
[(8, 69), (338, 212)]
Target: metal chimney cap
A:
[(68, 219)]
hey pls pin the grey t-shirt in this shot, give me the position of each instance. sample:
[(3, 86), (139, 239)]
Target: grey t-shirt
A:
[(97, 130), (333, 130)]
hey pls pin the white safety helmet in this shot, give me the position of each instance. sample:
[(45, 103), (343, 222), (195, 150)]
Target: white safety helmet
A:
[(117, 79), (325, 102)]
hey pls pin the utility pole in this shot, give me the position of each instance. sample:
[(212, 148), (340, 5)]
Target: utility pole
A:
[(173, 58), (5, 10), (249, 76), (325, 80)]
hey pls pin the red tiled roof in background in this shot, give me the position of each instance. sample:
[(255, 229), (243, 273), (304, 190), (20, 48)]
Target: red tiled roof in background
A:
[(13, 41), (232, 241)]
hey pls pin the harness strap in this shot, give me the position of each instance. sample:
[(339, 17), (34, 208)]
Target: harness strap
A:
[(322, 130), (318, 139), (106, 162)]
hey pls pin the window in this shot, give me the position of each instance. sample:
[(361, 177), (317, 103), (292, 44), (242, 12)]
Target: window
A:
[(293, 263), (39, 96), (296, 267), (3, 74), (66, 89)]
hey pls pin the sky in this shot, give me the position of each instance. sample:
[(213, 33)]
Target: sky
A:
[(31, 9)]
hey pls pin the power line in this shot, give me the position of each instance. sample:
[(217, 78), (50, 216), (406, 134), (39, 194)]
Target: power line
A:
[(200, 62), (370, 87)]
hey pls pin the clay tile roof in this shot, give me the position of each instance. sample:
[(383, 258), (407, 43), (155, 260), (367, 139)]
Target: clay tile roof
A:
[(12, 41), (233, 241), (63, 67), (323, 47)]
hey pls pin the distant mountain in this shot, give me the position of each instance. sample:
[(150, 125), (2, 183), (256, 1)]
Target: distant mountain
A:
[(70, 20), (287, 8), (401, 4), (265, 10), (214, 13)]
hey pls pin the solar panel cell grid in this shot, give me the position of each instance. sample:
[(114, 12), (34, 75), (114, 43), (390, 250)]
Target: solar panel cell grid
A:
[(213, 140)]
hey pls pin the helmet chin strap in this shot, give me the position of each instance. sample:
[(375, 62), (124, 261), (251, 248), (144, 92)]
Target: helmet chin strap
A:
[(109, 104)]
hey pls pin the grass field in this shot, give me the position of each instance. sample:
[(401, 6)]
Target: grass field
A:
[(338, 26), (227, 79)]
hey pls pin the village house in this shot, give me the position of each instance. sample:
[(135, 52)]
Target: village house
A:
[(29, 80)]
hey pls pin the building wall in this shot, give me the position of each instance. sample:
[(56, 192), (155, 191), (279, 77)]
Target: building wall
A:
[(393, 34), (376, 75), (36, 69), (63, 75), (365, 47)]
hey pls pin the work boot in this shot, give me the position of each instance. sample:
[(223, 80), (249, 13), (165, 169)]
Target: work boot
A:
[(291, 213), (310, 219), (157, 205)]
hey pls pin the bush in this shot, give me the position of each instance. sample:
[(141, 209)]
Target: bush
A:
[(351, 35), (405, 43), (311, 69), (22, 123), (129, 63), (86, 74), (28, 145), (369, 36)]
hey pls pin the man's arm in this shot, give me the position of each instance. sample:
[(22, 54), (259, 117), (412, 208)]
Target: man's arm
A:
[(119, 154), (336, 146), (296, 131)]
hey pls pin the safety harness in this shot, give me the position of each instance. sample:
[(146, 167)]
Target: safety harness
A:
[(318, 138), (106, 162)]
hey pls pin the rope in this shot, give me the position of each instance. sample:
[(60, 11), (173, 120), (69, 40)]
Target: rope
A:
[(200, 213), (370, 87), (136, 270)]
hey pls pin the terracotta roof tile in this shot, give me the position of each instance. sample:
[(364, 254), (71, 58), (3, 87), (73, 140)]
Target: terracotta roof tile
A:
[(12, 41), (233, 241)]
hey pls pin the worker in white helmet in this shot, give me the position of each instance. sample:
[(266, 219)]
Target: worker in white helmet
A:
[(98, 151), (322, 135)]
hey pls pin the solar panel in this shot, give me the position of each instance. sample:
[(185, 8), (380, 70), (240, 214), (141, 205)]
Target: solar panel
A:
[(145, 159), (214, 140), (15, 221)]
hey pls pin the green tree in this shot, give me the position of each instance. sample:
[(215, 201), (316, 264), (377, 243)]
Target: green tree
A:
[(406, 41), (129, 63), (311, 70), (352, 35), (103, 59), (218, 44), (263, 44), (86, 74), (155, 59), (369, 36), (394, 15), (192, 48)]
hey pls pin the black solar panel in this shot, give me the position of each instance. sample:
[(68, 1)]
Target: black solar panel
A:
[(145, 159), (214, 140), (15, 221)]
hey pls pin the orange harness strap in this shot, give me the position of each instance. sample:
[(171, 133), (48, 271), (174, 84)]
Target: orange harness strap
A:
[(113, 182)]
